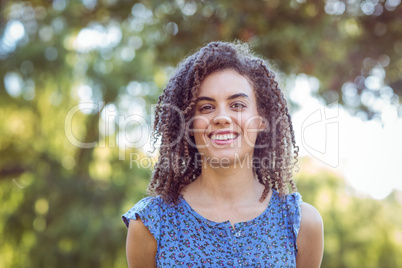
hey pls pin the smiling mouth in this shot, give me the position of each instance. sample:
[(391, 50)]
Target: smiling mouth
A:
[(224, 137)]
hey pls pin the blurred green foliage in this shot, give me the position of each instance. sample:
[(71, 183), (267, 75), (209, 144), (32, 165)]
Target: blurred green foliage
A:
[(358, 231), (61, 202)]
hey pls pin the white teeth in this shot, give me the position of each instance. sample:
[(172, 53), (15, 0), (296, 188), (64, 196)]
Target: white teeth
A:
[(223, 137)]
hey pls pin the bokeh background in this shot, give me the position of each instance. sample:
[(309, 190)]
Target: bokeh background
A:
[(79, 80)]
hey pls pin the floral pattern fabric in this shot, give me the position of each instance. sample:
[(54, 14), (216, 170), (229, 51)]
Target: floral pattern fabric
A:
[(187, 239)]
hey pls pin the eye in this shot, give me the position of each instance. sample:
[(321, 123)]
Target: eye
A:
[(238, 105), (206, 108)]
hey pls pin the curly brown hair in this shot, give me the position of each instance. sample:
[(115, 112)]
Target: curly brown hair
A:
[(176, 166)]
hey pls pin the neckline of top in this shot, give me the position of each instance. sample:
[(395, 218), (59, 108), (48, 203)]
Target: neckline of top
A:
[(227, 223)]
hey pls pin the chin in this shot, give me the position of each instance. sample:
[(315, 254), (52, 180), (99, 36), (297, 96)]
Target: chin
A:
[(226, 159)]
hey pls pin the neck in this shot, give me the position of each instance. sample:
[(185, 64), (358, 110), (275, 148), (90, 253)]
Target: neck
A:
[(232, 184)]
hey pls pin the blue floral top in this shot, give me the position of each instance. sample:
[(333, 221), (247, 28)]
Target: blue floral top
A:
[(187, 239)]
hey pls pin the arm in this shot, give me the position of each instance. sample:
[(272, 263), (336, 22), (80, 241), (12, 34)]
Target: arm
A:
[(310, 240), (140, 246)]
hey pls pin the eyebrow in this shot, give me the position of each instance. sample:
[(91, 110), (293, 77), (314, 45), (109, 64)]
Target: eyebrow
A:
[(235, 96)]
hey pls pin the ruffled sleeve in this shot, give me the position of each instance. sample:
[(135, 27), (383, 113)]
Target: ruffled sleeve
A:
[(148, 210), (293, 202)]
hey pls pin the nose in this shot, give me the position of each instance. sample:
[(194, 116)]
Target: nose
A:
[(222, 120)]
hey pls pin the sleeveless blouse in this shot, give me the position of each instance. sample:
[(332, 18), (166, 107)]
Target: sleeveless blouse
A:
[(187, 239)]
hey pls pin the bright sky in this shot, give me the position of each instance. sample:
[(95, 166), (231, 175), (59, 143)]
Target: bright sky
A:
[(367, 153)]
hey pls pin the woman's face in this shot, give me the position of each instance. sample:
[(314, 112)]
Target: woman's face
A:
[(226, 121)]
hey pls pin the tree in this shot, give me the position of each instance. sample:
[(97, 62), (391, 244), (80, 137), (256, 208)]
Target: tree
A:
[(66, 174)]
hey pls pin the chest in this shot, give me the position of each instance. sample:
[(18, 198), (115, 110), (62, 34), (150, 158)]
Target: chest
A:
[(192, 243), (233, 215)]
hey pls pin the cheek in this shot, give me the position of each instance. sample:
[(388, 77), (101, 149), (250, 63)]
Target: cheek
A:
[(251, 127), (200, 125), (251, 121)]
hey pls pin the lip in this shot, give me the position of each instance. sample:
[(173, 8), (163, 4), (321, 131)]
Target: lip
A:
[(223, 132)]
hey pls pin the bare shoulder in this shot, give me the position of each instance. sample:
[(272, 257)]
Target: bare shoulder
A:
[(310, 240), (310, 216), (141, 246)]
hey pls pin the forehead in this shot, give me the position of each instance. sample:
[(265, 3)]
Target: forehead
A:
[(225, 83)]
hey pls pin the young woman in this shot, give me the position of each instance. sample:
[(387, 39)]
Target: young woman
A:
[(220, 189)]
